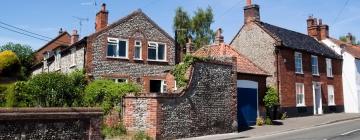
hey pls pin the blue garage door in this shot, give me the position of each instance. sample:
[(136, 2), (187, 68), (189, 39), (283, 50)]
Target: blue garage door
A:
[(247, 106)]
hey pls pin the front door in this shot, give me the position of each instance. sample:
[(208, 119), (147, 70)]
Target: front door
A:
[(317, 98), (247, 103)]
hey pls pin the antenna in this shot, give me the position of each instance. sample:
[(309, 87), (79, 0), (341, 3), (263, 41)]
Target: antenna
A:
[(89, 3), (81, 22)]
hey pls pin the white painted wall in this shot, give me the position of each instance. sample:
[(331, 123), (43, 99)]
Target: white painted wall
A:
[(350, 78)]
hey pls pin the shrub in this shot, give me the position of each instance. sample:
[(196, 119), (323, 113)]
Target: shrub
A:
[(107, 94), (25, 55), (52, 90), (116, 130), (271, 98), (260, 121), (283, 116), (9, 63), (78, 80), (268, 121), (17, 95), (141, 135)]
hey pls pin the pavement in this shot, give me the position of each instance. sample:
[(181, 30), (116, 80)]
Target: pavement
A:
[(287, 125)]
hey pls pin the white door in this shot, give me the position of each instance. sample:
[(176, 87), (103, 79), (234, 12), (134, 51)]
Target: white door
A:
[(317, 98)]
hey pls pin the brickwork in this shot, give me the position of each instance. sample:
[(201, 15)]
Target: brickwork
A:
[(63, 38)]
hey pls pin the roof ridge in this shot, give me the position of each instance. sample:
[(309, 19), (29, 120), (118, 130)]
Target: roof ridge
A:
[(57, 37)]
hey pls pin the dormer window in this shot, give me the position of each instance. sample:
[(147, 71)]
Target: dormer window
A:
[(156, 51), (117, 48)]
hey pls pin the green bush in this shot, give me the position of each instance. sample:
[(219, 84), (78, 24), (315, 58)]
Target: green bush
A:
[(141, 135), (78, 79), (283, 116), (271, 98), (9, 64), (52, 90), (268, 121), (3, 88), (107, 94), (17, 95), (110, 132), (260, 121)]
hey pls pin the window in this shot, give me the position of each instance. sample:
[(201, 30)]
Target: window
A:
[(156, 51), (120, 80), (117, 48), (300, 95), (175, 85), (314, 65), (298, 63), (329, 71), (57, 59), (158, 86), (137, 52), (73, 56), (331, 96)]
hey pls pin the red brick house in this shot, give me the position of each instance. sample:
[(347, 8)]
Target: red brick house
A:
[(249, 76), (298, 64)]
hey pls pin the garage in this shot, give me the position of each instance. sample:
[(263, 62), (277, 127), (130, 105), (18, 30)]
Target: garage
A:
[(247, 95)]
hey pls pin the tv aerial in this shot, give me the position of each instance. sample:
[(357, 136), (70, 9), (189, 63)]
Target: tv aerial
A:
[(81, 20)]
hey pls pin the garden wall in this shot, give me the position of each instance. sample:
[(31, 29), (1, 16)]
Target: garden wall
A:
[(50, 123), (207, 106)]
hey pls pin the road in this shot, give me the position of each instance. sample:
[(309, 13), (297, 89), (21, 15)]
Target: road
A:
[(348, 130)]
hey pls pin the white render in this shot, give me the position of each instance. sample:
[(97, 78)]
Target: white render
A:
[(350, 78)]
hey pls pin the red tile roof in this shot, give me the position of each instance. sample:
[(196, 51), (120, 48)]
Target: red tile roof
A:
[(244, 65), (352, 49)]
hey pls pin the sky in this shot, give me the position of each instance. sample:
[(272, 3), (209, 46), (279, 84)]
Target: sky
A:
[(46, 17)]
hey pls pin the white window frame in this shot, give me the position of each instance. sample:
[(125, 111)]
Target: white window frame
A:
[(315, 65), (155, 46), (117, 41), (175, 85), (139, 46), (329, 69), (73, 57), (303, 94), (331, 91), (296, 54), (57, 59), (163, 86), (116, 80)]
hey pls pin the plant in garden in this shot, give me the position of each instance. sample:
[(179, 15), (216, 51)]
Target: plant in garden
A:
[(271, 100), (260, 121), (17, 95), (9, 64), (141, 135), (268, 121), (107, 94), (116, 130), (78, 80)]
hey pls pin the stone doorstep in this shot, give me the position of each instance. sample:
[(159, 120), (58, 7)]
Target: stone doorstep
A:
[(231, 136)]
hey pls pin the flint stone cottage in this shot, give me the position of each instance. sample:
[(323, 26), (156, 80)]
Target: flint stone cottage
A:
[(306, 73), (133, 48)]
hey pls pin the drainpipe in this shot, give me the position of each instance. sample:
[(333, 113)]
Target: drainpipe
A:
[(277, 51)]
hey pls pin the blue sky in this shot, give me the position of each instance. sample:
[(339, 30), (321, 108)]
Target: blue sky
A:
[(45, 17)]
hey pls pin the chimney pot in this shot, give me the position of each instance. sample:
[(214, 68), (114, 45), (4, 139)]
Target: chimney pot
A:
[(74, 37), (219, 38), (101, 20), (189, 46), (251, 13), (248, 2), (103, 7), (61, 31), (320, 21)]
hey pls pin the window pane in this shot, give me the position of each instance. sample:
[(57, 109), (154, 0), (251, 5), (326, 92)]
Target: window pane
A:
[(111, 49), (122, 48), (137, 52), (155, 86), (161, 52), (152, 54)]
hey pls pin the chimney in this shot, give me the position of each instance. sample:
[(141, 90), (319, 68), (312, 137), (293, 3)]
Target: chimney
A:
[(317, 29), (61, 31), (251, 12), (324, 31), (218, 37), (189, 46), (101, 20), (74, 37), (349, 38)]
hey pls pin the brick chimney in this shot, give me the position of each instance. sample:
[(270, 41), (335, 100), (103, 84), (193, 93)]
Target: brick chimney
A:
[(74, 37), (317, 29), (218, 37), (189, 46), (101, 20), (251, 12), (349, 38)]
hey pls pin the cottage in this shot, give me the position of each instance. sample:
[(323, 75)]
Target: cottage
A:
[(306, 73), (351, 62)]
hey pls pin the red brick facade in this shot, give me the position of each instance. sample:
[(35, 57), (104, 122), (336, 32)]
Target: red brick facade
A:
[(63, 39)]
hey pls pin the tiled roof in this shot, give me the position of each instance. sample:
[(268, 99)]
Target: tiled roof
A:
[(298, 41), (352, 49), (244, 65), (56, 39)]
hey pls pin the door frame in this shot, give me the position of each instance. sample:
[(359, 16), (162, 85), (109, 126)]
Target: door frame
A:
[(314, 86), (250, 84)]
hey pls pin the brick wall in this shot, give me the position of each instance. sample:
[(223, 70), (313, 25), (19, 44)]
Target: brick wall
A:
[(62, 39), (288, 78), (207, 106), (50, 123)]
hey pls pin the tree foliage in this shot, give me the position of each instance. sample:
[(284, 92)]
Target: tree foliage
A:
[(353, 41), (197, 27), (9, 63)]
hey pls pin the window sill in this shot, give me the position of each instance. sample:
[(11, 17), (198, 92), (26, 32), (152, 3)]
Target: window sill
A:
[(300, 105), (72, 66), (57, 69), (331, 105), (330, 76), (316, 75), (156, 60), (300, 73), (116, 57), (138, 59)]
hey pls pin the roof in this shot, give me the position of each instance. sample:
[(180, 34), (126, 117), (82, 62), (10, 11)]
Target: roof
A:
[(297, 41), (352, 49), (55, 39), (124, 19), (244, 65)]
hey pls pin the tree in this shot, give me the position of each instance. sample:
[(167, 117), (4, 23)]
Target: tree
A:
[(353, 39), (271, 100), (198, 27), (25, 54), (9, 64)]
